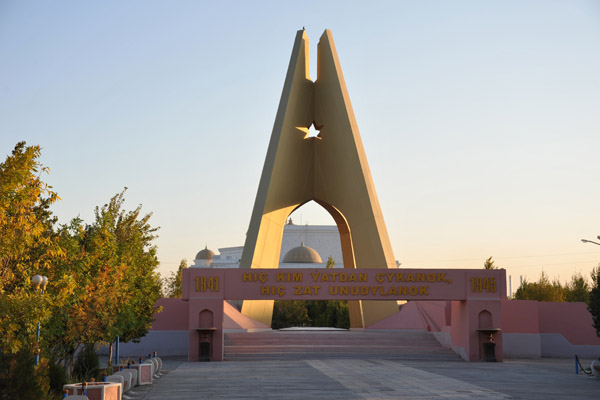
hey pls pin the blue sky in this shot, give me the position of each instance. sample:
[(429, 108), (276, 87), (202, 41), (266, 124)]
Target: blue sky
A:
[(479, 119)]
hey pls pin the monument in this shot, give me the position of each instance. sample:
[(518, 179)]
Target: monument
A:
[(468, 309), (330, 169)]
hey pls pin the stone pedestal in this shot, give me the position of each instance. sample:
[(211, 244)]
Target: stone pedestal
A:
[(97, 390), (144, 372)]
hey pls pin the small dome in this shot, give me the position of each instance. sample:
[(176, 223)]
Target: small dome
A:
[(302, 254), (205, 254)]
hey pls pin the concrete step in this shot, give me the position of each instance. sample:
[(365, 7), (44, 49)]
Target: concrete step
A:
[(272, 345)]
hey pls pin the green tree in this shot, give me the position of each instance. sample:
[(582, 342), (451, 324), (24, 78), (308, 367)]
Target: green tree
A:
[(108, 281), (577, 289), (594, 306), (172, 284), (542, 290), (288, 313), (329, 313), (324, 313), (489, 264)]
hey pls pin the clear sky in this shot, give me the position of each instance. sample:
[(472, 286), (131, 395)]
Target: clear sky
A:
[(480, 119)]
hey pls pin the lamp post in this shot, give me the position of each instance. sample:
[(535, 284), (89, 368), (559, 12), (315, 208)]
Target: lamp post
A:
[(38, 283), (591, 241)]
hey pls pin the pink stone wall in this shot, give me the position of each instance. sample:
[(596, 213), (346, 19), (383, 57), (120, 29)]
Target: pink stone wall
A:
[(520, 316), (174, 316), (572, 320), (426, 315)]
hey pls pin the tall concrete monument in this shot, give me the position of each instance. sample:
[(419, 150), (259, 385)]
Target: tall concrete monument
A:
[(330, 169)]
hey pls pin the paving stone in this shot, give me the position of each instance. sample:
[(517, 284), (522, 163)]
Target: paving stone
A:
[(370, 379)]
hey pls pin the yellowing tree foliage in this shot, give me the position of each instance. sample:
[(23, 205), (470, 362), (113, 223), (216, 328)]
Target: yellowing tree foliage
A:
[(103, 281), (27, 246), (114, 265)]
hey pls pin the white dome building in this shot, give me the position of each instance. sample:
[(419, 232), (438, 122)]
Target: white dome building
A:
[(317, 244), (204, 258), (301, 257)]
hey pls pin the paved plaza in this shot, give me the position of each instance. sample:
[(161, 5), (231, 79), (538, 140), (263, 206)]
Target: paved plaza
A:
[(356, 378)]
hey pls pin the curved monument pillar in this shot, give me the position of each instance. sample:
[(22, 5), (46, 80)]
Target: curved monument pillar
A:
[(330, 169)]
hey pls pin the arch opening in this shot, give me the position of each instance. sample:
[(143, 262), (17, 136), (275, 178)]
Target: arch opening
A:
[(310, 227), (310, 239)]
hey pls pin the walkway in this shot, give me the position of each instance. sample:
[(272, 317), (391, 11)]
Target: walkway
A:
[(371, 379)]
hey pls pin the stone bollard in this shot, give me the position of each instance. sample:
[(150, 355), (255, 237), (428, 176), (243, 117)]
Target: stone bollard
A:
[(144, 373), (128, 379)]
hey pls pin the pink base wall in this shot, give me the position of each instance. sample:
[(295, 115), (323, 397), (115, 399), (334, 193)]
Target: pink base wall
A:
[(529, 328), (571, 321)]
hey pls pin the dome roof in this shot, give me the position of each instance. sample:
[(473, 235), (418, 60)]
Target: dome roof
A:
[(205, 254), (302, 254)]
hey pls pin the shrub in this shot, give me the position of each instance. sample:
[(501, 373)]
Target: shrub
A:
[(87, 365), (20, 379), (57, 375)]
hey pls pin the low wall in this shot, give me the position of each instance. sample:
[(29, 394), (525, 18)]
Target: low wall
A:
[(534, 329), (530, 329), (165, 343)]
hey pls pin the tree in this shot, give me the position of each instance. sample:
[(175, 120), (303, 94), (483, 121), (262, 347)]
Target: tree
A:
[(489, 264), (594, 306), (542, 290), (27, 247), (287, 313), (102, 277), (172, 284), (113, 263), (577, 290), (329, 313)]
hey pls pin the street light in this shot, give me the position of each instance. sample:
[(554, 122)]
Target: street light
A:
[(38, 282), (591, 241)]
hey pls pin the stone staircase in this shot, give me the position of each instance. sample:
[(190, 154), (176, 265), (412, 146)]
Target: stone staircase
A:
[(322, 344)]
